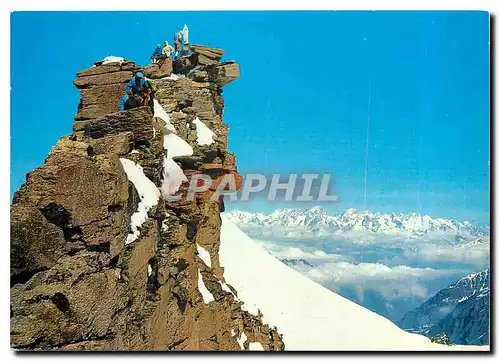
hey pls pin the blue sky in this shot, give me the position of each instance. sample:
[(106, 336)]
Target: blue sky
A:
[(301, 104)]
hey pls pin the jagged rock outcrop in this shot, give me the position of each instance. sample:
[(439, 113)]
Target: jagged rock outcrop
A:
[(442, 338), (207, 55), (158, 71), (101, 88), (78, 278)]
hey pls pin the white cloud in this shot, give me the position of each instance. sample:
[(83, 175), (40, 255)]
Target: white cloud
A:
[(475, 255), (281, 251), (346, 269), (391, 282)]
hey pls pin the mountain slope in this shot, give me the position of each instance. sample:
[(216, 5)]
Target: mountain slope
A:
[(310, 316), (461, 311), (469, 323), (371, 300)]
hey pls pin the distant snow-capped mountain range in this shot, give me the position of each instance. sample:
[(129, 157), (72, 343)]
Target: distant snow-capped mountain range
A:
[(300, 222)]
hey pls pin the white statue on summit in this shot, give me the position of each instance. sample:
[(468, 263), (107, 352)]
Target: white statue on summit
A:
[(185, 34)]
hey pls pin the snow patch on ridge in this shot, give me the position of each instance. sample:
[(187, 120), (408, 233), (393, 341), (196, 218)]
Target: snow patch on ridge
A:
[(173, 176), (250, 308), (162, 114), (227, 289), (164, 225), (204, 136), (242, 339), (112, 59), (173, 77), (148, 193), (207, 296), (176, 146), (255, 346), (204, 255)]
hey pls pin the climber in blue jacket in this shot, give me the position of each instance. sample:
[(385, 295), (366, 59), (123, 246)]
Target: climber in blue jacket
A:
[(133, 89), (157, 54), (135, 84), (176, 54), (123, 100), (139, 92)]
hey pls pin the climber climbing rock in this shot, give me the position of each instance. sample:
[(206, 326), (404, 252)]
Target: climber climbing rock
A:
[(133, 101), (139, 92)]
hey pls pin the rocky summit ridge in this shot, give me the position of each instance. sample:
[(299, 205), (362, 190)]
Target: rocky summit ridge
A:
[(76, 283)]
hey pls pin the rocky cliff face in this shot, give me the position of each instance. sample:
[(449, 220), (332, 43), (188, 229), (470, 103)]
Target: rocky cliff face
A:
[(84, 273)]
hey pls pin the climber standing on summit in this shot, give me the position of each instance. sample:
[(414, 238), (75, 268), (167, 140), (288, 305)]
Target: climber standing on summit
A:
[(167, 50), (156, 54)]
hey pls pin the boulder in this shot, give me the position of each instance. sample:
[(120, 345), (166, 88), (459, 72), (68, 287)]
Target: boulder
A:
[(93, 111), (227, 72), (103, 79), (137, 120), (155, 71), (207, 55), (220, 74), (97, 101), (184, 64)]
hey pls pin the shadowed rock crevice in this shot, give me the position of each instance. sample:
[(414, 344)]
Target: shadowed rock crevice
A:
[(61, 302), (58, 215), (23, 277)]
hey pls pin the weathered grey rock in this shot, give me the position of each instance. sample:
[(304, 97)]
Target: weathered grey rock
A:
[(75, 284), (220, 74), (101, 94), (103, 79), (207, 55), (227, 72), (155, 71), (93, 111), (66, 202), (101, 88), (138, 121), (184, 64)]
